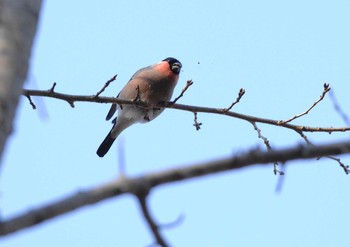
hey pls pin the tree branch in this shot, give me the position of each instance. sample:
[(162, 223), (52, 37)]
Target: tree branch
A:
[(338, 108), (191, 108), (18, 23), (106, 85), (240, 95), (151, 180), (142, 198), (326, 89), (268, 147), (188, 84)]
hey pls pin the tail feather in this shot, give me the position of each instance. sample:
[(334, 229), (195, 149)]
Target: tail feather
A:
[(105, 145)]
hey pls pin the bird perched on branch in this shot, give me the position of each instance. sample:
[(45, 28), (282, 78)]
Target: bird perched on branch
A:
[(151, 85)]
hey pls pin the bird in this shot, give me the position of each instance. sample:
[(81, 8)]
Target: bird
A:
[(152, 85)]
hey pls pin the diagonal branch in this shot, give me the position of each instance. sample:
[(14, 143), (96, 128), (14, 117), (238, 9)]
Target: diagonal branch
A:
[(240, 95), (31, 102), (188, 84), (131, 185), (339, 109), (326, 89), (142, 198), (341, 164), (106, 85), (268, 147)]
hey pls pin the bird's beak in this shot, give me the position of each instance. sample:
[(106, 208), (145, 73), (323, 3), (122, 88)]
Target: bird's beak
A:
[(176, 67)]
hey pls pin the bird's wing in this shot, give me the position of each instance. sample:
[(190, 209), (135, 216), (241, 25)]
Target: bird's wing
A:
[(137, 73), (111, 111), (114, 106)]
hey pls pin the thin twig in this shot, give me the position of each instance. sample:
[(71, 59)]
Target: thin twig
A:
[(345, 167), (196, 124), (188, 84), (173, 224), (31, 102), (71, 103), (280, 180), (266, 141), (338, 108), (326, 89), (106, 85), (342, 165), (240, 95), (268, 147), (52, 89), (142, 198), (304, 137)]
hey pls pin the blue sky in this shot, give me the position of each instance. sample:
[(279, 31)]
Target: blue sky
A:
[(280, 52)]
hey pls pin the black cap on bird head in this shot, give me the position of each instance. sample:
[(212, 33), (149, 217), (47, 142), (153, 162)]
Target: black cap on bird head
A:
[(175, 65)]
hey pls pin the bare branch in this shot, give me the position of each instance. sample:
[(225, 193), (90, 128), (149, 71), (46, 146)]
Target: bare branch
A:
[(31, 102), (240, 95), (52, 89), (304, 137), (79, 98), (142, 198), (250, 118), (338, 109), (268, 147), (188, 84), (345, 167), (326, 89), (190, 108), (176, 222), (266, 141), (196, 124), (342, 165), (131, 185), (106, 85)]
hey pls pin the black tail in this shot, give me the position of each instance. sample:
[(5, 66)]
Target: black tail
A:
[(105, 145)]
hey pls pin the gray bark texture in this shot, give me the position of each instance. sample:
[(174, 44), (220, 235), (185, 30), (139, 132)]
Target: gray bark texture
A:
[(18, 24)]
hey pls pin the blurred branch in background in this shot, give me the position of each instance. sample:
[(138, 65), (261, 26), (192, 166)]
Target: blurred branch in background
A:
[(149, 181)]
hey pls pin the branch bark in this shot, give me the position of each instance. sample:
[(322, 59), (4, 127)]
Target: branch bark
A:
[(18, 23), (150, 181), (71, 99)]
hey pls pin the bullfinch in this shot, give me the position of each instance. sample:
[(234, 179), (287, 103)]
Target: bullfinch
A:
[(151, 85)]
